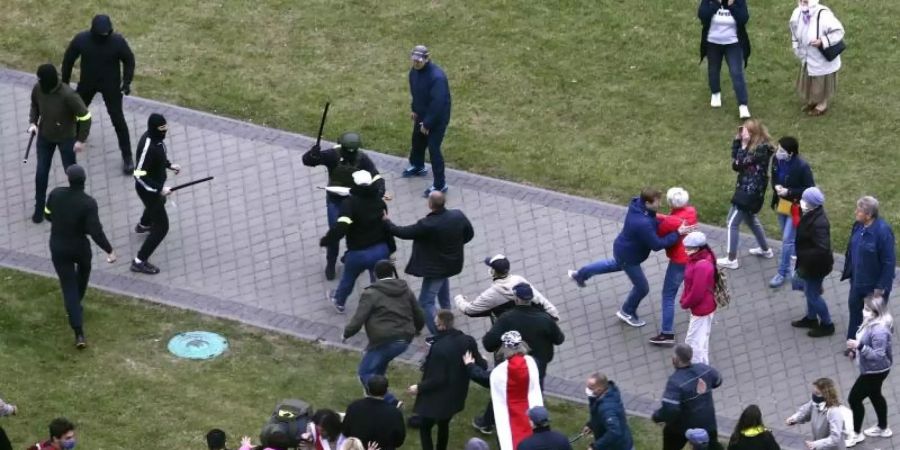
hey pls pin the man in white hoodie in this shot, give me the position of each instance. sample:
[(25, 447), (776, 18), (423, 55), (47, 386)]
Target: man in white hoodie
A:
[(499, 297)]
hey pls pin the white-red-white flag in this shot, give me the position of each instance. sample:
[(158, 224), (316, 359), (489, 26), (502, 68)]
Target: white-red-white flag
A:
[(515, 388)]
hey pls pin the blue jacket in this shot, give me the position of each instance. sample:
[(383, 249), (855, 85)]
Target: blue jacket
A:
[(430, 95), (874, 351), (797, 177), (608, 421), (684, 404), (870, 258), (638, 236), (545, 439)]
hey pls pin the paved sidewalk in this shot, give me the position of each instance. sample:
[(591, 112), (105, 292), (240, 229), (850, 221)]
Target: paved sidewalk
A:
[(246, 247)]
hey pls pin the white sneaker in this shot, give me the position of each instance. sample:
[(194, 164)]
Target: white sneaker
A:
[(757, 251), (743, 112), (726, 263), (854, 439), (878, 432), (716, 100)]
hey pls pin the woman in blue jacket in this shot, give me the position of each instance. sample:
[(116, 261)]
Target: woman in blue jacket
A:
[(724, 34), (791, 176)]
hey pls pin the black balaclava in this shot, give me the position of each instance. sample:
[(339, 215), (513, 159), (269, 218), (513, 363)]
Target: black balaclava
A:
[(76, 175), (101, 27), (47, 77), (154, 123)]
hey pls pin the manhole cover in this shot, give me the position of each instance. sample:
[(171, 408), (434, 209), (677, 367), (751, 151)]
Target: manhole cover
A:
[(198, 345)]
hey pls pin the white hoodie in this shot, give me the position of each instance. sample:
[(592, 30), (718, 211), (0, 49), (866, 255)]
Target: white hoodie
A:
[(500, 293), (830, 31)]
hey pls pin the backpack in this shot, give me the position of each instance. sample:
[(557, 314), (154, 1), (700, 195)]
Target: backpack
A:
[(287, 424), (720, 290)]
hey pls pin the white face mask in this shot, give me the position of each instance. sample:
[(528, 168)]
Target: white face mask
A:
[(588, 392), (867, 314), (781, 154), (490, 272), (805, 207)]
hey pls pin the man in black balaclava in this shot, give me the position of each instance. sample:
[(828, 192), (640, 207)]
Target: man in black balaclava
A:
[(101, 52), (150, 183), (60, 119), (341, 161), (73, 214)]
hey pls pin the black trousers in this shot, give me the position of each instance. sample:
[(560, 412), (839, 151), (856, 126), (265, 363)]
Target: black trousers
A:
[(674, 439), (443, 433), (73, 267), (112, 97), (155, 217), (4, 441), (45, 150), (868, 385)]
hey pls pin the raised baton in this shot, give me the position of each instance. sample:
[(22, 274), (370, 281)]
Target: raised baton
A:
[(190, 183), (322, 123)]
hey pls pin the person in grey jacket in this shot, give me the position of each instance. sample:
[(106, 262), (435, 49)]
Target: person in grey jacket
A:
[(872, 351), (499, 298), (823, 412)]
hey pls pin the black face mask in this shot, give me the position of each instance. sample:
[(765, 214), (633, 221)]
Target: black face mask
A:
[(154, 123), (817, 398), (47, 78)]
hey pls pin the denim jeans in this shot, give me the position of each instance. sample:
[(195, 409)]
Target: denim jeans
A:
[(432, 141), (431, 288), (633, 271), (375, 362), (45, 150), (855, 304), (671, 283), (355, 262), (734, 56), (333, 209), (788, 235), (735, 217), (815, 304)]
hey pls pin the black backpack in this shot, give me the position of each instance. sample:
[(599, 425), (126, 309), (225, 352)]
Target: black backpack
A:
[(287, 424)]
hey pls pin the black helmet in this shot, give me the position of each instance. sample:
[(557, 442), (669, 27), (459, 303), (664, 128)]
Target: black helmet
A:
[(350, 141)]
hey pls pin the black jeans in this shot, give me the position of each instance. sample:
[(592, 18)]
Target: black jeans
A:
[(74, 270), (155, 217), (4, 441), (443, 433), (45, 150), (112, 96), (868, 385), (674, 439)]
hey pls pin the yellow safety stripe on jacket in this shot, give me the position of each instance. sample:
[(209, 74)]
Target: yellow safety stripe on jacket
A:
[(753, 431), (46, 210), (345, 219), (86, 116), (140, 173)]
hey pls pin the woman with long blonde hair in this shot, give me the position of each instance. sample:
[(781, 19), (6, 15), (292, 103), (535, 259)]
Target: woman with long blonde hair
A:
[(751, 152)]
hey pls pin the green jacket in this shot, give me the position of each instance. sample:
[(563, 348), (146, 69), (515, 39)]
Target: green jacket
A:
[(62, 114), (390, 312)]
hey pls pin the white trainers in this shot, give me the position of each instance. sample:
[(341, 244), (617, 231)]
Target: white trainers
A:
[(716, 100), (630, 320), (878, 432), (854, 439), (726, 263), (757, 251), (743, 112)]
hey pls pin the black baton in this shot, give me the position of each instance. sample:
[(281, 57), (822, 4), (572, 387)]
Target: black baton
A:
[(322, 123), (28, 149), (190, 183)]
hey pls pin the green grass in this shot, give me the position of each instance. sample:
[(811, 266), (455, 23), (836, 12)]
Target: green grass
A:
[(127, 391), (593, 97)]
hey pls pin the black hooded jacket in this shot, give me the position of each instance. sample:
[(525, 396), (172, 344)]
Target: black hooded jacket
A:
[(73, 216), (361, 220), (150, 172), (101, 51)]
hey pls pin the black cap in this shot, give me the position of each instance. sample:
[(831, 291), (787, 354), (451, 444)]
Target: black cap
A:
[(498, 262)]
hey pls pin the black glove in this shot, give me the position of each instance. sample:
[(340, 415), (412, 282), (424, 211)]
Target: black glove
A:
[(126, 89), (315, 148), (323, 242)]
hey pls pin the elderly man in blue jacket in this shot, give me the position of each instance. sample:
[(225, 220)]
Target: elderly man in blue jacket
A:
[(608, 422), (631, 248), (869, 261), (430, 106)]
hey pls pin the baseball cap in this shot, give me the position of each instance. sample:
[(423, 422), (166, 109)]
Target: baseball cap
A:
[(498, 262), (419, 53)]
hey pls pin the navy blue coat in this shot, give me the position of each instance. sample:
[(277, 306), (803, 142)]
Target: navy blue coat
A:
[(438, 241), (870, 258), (430, 96), (798, 178), (608, 422), (638, 236), (741, 14), (545, 439), (684, 404)]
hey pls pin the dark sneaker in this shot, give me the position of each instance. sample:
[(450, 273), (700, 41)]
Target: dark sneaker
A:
[(663, 339), (144, 267), (141, 229), (479, 424), (429, 340), (128, 168), (805, 322), (80, 342), (38, 215), (413, 171), (821, 331), (432, 189), (573, 274), (329, 272), (414, 421)]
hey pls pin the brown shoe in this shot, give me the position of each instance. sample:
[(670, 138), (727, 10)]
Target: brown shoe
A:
[(806, 108), (816, 112)]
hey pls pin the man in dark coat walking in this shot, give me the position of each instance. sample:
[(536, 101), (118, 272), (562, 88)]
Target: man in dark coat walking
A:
[(608, 422), (373, 420), (814, 262), (445, 380), (107, 67), (438, 241)]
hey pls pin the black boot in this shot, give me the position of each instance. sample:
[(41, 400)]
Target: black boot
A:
[(38, 215), (821, 331), (329, 271), (805, 322)]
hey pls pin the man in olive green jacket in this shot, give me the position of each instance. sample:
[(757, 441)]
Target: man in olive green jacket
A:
[(60, 119)]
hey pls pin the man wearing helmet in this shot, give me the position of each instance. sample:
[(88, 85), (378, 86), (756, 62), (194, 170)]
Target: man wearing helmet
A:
[(341, 161)]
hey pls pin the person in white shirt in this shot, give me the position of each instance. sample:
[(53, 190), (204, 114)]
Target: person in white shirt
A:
[(724, 35)]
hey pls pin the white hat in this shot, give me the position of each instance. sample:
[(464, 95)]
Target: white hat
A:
[(695, 239), (362, 178)]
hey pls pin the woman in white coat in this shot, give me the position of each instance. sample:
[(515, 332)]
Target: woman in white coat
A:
[(814, 27)]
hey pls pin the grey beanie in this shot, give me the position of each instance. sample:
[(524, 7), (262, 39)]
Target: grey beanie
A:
[(813, 196), (477, 444)]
